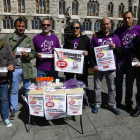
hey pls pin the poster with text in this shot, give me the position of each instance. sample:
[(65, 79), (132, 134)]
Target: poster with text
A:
[(74, 104), (54, 106), (36, 105), (68, 60), (104, 58)]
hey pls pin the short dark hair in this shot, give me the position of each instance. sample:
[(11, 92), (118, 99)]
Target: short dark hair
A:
[(47, 18), (20, 20), (74, 23), (128, 12)]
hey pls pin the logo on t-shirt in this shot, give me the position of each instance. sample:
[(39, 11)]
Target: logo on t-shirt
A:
[(128, 40), (75, 45), (107, 42), (46, 45)]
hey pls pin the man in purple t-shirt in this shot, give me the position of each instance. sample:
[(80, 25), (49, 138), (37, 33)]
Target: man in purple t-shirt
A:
[(104, 37), (129, 35), (45, 42)]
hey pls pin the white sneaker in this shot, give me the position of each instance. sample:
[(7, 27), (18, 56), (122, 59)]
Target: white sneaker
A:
[(7, 122)]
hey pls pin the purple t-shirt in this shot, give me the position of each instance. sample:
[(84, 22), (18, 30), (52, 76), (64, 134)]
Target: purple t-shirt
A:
[(101, 41), (75, 42), (44, 43), (128, 38)]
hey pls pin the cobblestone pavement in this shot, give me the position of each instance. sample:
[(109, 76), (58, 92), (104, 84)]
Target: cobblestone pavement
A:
[(102, 126)]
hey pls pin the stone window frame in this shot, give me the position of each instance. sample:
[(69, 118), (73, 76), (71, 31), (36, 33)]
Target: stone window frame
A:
[(110, 9), (21, 6), (36, 23), (120, 24), (121, 10), (7, 5), (97, 25), (62, 5), (112, 25), (42, 7), (87, 24), (75, 7), (26, 21), (8, 22), (93, 8)]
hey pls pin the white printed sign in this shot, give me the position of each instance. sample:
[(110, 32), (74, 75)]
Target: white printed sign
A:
[(54, 106), (21, 49), (45, 55), (3, 69), (68, 60), (104, 58), (135, 63), (36, 105), (74, 104)]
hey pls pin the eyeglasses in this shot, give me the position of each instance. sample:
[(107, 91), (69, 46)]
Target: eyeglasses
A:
[(76, 28), (46, 25)]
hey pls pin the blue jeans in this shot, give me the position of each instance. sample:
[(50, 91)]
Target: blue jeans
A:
[(4, 100), (51, 73), (17, 74), (124, 68)]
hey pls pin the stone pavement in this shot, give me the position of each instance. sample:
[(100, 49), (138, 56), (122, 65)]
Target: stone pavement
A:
[(102, 126)]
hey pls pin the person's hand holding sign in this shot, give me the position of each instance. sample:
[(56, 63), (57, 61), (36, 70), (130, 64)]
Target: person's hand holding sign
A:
[(96, 68), (39, 55), (24, 54), (10, 68), (112, 45), (85, 53)]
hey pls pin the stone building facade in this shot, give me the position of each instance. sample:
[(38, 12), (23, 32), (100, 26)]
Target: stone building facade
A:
[(88, 12)]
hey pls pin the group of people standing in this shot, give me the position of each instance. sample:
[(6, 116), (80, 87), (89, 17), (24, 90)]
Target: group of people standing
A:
[(124, 43)]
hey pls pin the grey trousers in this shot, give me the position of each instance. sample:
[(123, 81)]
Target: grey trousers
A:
[(98, 76)]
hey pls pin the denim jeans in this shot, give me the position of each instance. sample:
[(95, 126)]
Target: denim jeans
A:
[(51, 73), (17, 74), (4, 100), (124, 68)]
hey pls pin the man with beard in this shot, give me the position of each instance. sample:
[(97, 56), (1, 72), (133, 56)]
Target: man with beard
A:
[(45, 42), (23, 66)]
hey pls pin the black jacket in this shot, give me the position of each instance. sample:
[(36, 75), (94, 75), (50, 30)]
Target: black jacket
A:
[(83, 44)]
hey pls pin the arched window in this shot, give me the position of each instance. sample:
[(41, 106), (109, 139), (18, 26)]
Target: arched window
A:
[(112, 26), (110, 10), (121, 10), (8, 23), (61, 6), (97, 25), (87, 24), (26, 21), (120, 24), (75, 7), (93, 8), (21, 6), (7, 5), (42, 6), (36, 23)]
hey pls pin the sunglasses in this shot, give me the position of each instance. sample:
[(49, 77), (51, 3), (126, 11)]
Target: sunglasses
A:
[(46, 25), (76, 28)]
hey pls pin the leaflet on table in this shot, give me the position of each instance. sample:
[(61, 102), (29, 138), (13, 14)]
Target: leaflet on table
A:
[(36, 105), (135, 63), (104, 58), (68, 60), (33, 86), (74, 104), (46, 55), (55, 106), (21, 49), (3, 69)]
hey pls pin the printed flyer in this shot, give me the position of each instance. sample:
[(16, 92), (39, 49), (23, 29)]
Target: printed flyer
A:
[(68, 60), (36, 105), (74, 104), (54, 106), (104, 58)]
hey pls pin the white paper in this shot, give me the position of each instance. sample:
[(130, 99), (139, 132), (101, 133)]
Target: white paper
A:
[(74, 104), (21, 49), (36, 105), (54, 106), (3, 69), (33, 86), (45, 55), (135, 63), (104, 58), (68, 60)]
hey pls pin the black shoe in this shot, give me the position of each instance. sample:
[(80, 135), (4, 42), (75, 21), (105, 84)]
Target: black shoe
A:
[(135, 113), (129, 108)]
